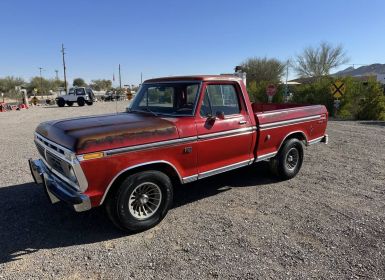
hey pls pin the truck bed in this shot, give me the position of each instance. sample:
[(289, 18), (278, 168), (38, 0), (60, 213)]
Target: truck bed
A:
[(277, 122)]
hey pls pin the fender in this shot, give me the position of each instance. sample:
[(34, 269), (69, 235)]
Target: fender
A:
[(136, 166)]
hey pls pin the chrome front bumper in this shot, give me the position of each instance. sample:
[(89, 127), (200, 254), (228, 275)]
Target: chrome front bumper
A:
[(56, 189)]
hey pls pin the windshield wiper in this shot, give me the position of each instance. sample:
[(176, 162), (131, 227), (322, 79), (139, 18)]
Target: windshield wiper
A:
[(146, 110)]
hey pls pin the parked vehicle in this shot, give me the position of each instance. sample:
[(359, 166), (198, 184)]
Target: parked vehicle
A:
[(79, 95), (110, 96), (177, 130)]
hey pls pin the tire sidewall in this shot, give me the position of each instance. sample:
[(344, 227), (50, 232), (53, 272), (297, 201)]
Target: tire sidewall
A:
[(283, 170), (126, 219), (61, 102), (81, 102)]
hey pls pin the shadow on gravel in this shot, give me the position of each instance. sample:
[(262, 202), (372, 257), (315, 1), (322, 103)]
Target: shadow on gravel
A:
[(29, 223), (377, 123)]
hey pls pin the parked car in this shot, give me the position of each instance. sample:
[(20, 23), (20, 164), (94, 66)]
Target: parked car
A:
[(80, 95), (177, 130)]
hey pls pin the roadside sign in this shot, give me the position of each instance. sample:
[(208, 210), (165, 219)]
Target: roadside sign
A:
[(338, 89), (271, 90)]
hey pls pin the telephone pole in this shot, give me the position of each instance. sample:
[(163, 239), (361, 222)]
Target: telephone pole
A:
[(120, 79), (57, 76), (64, 67), (41, 82)]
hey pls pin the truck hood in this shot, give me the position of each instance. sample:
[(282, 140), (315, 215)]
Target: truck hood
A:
[(105, 132)]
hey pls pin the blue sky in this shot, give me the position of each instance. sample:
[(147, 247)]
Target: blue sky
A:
[(161, 38)]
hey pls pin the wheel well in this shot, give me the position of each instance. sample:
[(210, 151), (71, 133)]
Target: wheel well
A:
[(167, 169), (298, 135)]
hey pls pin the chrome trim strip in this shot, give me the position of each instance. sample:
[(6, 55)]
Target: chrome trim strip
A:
[(239, 131), (189, 179), (324, 138), (80, 176), (314, 141), (132, 167), (225, 168), (265, 156), (148, 146), (234, 132), (288, 122), (280, 111)]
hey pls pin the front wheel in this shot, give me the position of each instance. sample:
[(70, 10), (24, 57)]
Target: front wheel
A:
[(288, 161), (141, 201), (61, 102), (81, 102)]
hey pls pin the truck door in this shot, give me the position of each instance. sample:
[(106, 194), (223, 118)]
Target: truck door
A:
[(224, 129)]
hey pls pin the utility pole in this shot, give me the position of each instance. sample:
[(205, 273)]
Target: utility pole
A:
[(141, 77), (286, 87), (57, 76), (41, 82), (120, 79), (64, 67)]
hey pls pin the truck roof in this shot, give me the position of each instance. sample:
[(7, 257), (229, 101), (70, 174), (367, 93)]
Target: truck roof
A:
[(225, 77)]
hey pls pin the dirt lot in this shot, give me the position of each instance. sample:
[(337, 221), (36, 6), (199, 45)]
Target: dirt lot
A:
[(327, 223)]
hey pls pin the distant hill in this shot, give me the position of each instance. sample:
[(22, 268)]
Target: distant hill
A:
[(369, 70)]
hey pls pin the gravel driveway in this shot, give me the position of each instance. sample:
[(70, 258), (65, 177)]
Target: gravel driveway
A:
[(327, 223)]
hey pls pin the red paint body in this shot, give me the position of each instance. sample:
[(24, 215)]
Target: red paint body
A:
[(111, 132)]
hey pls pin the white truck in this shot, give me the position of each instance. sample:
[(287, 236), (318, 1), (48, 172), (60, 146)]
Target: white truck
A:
[(80, 95)]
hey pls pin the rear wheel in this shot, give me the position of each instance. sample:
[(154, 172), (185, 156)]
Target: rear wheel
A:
[(141, 201), (81, 102), (288, 161), (69, 103), (61, 102)]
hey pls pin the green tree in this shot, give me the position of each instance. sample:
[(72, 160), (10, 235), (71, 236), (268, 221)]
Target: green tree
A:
[(263, 69), (260, 73), (43, 86), (317, 62), (101, 84), (79, 82), (8, 85)]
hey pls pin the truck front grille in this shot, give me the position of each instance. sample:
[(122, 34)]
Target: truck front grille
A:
[(53, 160)]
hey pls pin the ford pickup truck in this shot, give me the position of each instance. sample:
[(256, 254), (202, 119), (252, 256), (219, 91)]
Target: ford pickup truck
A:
[(177, 130)]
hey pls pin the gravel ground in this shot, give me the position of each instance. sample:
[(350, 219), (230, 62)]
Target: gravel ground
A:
[(327, 223)]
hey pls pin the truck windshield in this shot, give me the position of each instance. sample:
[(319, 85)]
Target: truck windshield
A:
[(176, 99)]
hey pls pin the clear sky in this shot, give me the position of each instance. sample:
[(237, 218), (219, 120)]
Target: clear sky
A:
[(171, 37)]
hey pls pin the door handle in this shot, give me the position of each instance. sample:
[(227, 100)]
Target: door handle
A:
[(242, 122)]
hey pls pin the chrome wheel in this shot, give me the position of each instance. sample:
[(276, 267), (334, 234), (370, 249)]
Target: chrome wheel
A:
[(292, 158), (145, 200)]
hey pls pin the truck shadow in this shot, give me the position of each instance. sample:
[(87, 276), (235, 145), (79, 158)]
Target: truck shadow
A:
[(28, 223)]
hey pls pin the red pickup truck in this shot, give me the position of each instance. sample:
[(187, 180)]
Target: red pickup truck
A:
[(177, 130)]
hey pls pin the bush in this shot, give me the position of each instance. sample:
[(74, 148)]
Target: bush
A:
[(363, 100)]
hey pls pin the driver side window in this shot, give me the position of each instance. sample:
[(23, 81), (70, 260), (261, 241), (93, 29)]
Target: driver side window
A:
[(220, 98)]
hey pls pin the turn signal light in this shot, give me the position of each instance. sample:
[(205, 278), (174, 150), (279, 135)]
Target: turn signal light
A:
[(93, 155)]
